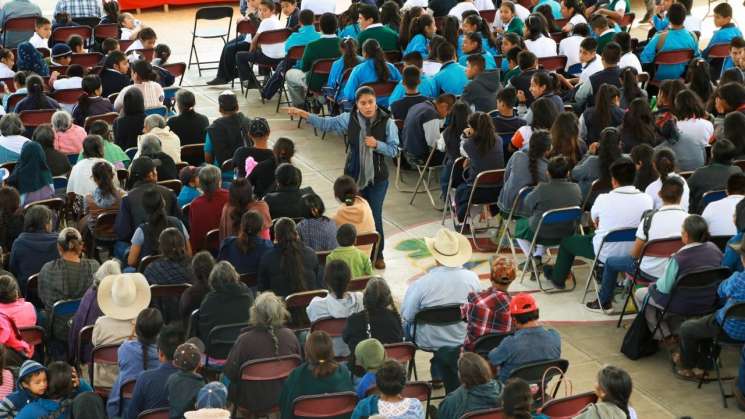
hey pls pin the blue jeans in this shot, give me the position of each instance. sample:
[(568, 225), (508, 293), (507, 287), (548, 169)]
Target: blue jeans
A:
[(375, 195), (445, 176), (613, 266)]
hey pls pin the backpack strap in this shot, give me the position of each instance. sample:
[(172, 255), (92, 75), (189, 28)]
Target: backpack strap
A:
[(660, 41), (647, 221)]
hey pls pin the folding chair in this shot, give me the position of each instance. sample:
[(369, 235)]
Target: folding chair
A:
[(561, 22), (176, 70), (568, 407), (10, 85), (265, 370), (276, 36), (370, 238), (32, 119), (147, 54), (516, 205), (685, 175), (295, 53), (541, 373), (328, 405), (9, 166), (319, 69), (103, 230), (131, 152), (159, 413), (212, 241), (243, 28), (450, 189), (209, 13), (85, 338), (60, 183), (172, 184), (393, 56), (333, 327), (735, 312), (193, 154), (712, 196), (558, 37), (438, 316), (14, 99), (557, 216), (661, 248), (168, 290), (551, 64), (621, 235), (678, 56), (56, 205), (360, 283), (488, 15), (496, 413), (491, 179), (719, 51), (158, 110), (720, 241), (146, 261), (484, 344), (122, 175), (191, 324), (63, 33), (382, 89), (102, 355), (420, 390), (126, 391), (427, 169), (35, 336), (627, 21), (72, 158), (87, 59), (403, 352), (106, 30), (219, 342), (296, 304), (18, 24), (68, 95), (739, 163), (106, 117)]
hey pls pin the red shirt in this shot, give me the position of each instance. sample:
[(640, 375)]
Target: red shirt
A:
[(204, 215), (486, 312)]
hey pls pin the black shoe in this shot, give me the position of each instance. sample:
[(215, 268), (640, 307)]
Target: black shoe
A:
[(216, 82), (596, 307), (548, 273)]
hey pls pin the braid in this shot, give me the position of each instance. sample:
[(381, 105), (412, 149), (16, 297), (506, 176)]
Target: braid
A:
[(275, 340), (533, 168), (143, 346)]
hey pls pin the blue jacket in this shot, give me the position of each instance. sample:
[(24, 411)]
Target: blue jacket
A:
[(676, 39), (303, 36), (365, 73), (366, 407), (491, 64), (419, 43), (43, 407), (660, 24), (350, 31), (150, 390), (723, 35), (451, 79), (555, 7), (367, 381), (426, 88)]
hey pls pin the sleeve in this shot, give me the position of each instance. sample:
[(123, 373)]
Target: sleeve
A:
[(725, 288), (123, 222), (498, 355), (352, 83), (667, 281), (139, 237), (306, 61), (208, 148), (432, 131), (263, 275), (389, 147), (338, 124), (119, 102), (410, 305), (597, 207), (584, 91), (184, 231), (135, 403), (649, 52), (532, 200), (582, 128), (232, 367), (640, 231)]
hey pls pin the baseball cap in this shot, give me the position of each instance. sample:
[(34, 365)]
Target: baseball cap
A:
[(61, 50), (369, 354), (502, 270), (212, 396), (523, 303), (258, 127), (187, 174), (227, 101), (141, 166), (187, 356)]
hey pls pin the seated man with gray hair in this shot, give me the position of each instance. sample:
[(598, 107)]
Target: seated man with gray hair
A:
[(170, 143), (151, 146)]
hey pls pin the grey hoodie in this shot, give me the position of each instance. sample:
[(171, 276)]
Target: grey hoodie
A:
[(330, 306), (602, 410), (481, 92), (462, 400)]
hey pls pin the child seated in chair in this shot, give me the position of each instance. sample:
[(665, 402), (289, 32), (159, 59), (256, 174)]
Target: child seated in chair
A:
[(358, 261)]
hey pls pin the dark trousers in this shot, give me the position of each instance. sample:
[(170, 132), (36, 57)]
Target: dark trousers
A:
[(247, 59), (277, 79), (571, 247), (695, 340), (226, 68), (375, 195)]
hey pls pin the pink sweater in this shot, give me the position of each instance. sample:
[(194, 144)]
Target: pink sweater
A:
[(21, 311), (70, 141)]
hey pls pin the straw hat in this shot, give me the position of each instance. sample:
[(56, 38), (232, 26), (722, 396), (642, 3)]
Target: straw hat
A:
[(449, 248), (123, 296)]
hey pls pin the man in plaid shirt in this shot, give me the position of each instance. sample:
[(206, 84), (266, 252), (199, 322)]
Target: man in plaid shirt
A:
[(78, 8), (488, 311)]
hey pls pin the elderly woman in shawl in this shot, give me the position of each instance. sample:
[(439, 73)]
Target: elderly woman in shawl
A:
[(29, 59), (32, 176)]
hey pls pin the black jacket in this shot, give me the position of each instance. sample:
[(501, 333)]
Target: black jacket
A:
[(97, 106), (126, 130), (190, 126), (58, 163), (232, 132), (113, 81), (271, 277), (287, 202), (131, 213), (441, 7), (481, 92), (226, 304), (385, 326)]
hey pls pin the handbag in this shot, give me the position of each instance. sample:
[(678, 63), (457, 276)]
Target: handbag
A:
[(638, 341)]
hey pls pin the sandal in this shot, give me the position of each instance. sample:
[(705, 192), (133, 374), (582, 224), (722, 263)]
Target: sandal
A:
[(686, 375)]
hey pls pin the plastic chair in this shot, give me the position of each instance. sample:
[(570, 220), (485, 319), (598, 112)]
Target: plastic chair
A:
[(72, 158), (63, 33), (146, 261), (712, 196), (209, 13), (568, 407), (176, 70), (159, 413), (662, 248), (168, 290), (106, 30), (296, 304), (193, 154), (556, 63), (327, 405), (60, 183), (622, 235), (484, 344), (541, 373), (106, 117), (32, 119), (63, 308), (496, 413), (87, 59), (18, 24), (720, 241), (172, 184), (102, 355), (56, 205), (263, 370)]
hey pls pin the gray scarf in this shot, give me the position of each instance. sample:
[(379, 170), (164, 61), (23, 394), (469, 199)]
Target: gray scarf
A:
[(367, 166)]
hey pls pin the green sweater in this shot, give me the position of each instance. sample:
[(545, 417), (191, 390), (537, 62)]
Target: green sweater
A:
[(604, 40), (301, 382), (316, 50), (516, 26), (357, 260), (387, 38)]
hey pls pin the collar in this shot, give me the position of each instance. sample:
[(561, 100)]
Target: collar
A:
[(610, 30), (630, 189), (689, 246), (672, 207), (324, 35), (374, 25), (587, 64), (729, 25), (307, 28), (413, 94)]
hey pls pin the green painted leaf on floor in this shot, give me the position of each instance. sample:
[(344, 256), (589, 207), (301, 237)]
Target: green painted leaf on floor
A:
[(415, 248)]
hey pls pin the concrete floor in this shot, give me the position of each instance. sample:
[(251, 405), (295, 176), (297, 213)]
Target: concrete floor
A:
[(587, 345)]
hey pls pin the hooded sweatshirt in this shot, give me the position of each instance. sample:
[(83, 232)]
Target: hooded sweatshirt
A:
[(604, 410), (330, 306), (462, 400), (359, 215), (30, 252), (18, 399), (481, 92)]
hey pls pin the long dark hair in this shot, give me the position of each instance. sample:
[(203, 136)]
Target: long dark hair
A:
[(419, 24), (459, 114), (314, 206), (688, 105), (608, 152), (544, 113), (155, 209), (240, 194), (617, 386), (483, 135), (144, 70), (483, 29), (390, 14), (517, 399), (630, 84), (405, 27), (547, 13), (291, 251), (251, 225), (346, 190), (536, 26), (642, 155), (103, 175), (90, 84), (172, 245), (283, 150), (450, 30), (349, 52), (35, 92), (734, 130), (319, 353), (664, 162), (604, 105), (371, 49), (698, 77), (10, 204), (565, 137), (540, 144), (201, 266), (133, 103), (147, 326)]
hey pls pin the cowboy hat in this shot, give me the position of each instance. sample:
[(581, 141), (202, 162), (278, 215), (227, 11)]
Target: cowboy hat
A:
[(123, 296), (449, 248)]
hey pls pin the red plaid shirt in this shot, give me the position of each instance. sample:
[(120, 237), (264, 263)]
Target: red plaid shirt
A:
[(486, 312)]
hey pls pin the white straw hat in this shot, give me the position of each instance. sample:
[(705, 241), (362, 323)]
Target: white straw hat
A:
[(123, 296), (449, 248)]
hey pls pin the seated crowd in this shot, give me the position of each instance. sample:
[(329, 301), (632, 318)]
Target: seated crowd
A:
[(192, 247)]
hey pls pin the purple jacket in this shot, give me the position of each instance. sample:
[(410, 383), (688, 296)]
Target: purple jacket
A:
[(86, 315)]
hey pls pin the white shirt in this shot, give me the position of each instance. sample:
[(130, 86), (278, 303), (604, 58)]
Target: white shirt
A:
[(38, 42), (569, 47), (430, 68), (461, 7), (271, 50), (630, 60), (151, 91), (126, 34), (542, 47), (697, 128), (577, 19), (692, 24), (666, 222), (590, 69), (653, 190), (6, 72), (137, 44), (520, 12), (606, 211), (719, 215), (13, 143), (81, 181), (620, 7), (484, 4), (415, 3), (320, 7), (68, 83)]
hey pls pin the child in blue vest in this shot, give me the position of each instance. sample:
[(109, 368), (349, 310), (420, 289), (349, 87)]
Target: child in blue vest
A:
[(727, 29), (31, 384), (676, 38)]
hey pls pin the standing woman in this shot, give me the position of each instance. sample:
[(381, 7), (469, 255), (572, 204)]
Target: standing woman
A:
[(373, 69), (421, 30), (373, 136), (145, 80), (31, 176), (605, 113), (484, 152)]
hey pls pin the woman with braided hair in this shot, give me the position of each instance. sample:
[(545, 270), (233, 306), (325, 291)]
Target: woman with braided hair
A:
[(265, 337), (614, 391), (525, 168)]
